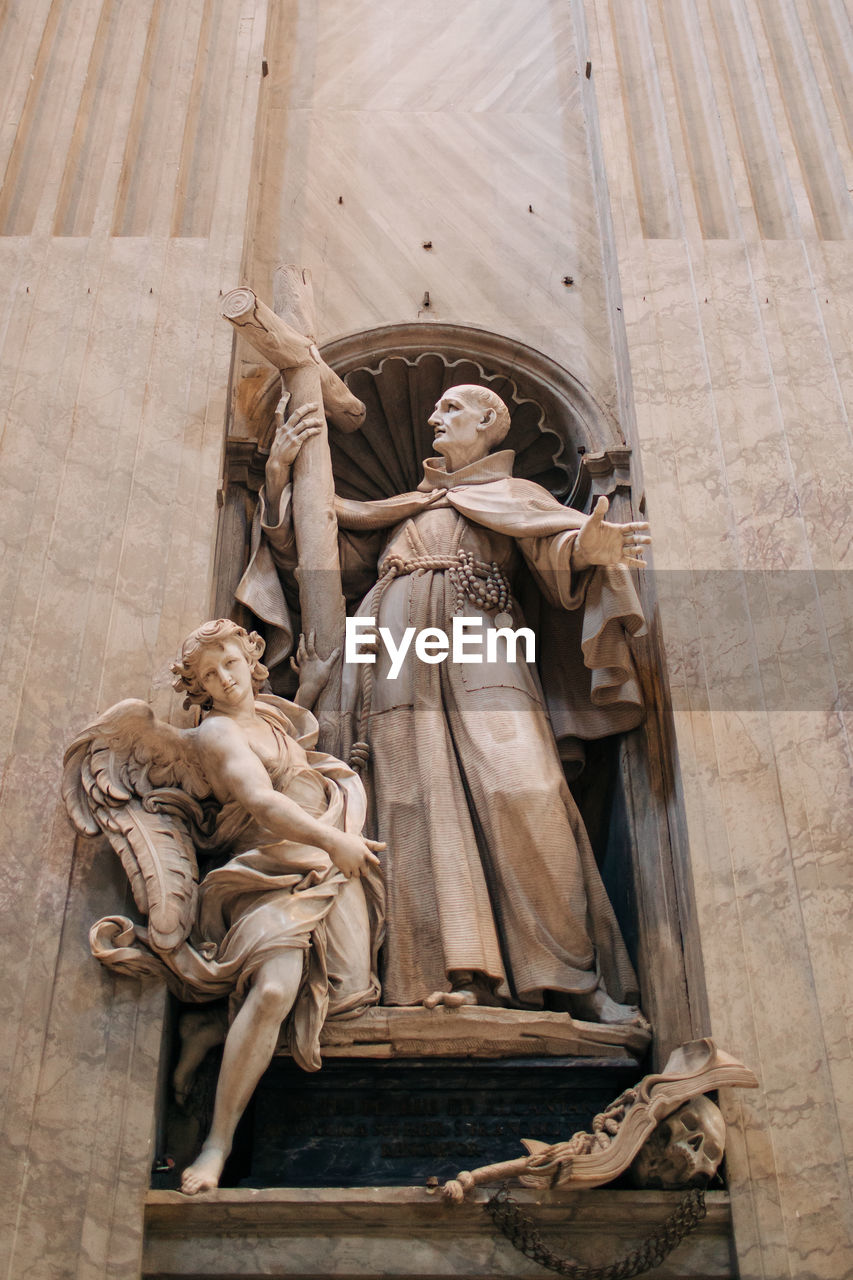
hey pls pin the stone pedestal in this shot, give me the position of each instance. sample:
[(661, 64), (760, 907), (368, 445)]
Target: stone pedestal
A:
[(408, 1231), (477, 1033)]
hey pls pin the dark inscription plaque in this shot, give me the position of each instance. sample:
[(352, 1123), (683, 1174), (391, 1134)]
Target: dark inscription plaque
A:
[(394, 1123)]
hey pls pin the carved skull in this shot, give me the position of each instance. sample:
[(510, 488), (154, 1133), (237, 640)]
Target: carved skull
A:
[(685, 1150)]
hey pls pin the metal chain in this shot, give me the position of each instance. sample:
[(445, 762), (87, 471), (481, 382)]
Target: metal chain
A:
[(522, 1234)]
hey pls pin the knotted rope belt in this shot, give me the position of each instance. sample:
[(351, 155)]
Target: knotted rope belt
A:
[(482, 583)]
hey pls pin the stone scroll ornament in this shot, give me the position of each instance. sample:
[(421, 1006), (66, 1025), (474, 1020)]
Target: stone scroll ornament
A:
[(663, 1128)]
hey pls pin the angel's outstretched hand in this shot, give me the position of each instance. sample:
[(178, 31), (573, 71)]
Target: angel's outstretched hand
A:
[(601, 543)]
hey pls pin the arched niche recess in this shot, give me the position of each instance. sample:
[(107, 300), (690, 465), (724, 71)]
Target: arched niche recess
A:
[(401, 370), (565, 440)]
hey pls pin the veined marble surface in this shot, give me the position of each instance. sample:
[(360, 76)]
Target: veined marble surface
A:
[(113, 385), (738, 330), (720, 132), (402, 126)]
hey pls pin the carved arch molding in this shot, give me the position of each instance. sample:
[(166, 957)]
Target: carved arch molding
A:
[(562, 437)]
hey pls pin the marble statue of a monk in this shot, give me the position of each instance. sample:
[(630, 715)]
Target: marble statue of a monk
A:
[(493, 892)]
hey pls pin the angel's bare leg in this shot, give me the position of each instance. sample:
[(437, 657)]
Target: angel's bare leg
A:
[(249, 1047), (200, 1030)]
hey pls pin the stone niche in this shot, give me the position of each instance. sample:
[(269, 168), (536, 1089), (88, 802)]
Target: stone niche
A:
[(568, 443)]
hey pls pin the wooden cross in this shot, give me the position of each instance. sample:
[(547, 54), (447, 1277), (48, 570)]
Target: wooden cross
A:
[(285, 337)]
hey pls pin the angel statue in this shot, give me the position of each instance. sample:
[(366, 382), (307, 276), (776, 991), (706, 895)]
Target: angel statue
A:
[(287, 920)]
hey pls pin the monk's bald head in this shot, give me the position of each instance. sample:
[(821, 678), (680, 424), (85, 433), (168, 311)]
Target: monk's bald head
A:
[(468, 422), (487, 402)]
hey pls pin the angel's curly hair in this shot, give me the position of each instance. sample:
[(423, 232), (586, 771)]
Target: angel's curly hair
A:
[(186, 669)]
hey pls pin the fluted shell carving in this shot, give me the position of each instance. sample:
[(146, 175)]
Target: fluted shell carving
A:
[(385, 456)]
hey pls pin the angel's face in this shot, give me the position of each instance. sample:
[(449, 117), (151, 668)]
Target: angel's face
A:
[(224, 673)]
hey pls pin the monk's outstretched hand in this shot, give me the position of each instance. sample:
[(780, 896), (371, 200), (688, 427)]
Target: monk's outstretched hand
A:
[(601, 543)]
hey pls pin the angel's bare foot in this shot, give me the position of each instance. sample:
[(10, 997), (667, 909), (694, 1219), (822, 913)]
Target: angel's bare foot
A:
[(200, 1030), (597, 1006), (204, 1172)]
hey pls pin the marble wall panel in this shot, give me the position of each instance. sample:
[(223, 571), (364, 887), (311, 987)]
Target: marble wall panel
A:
[(828, 34), (812, 113), (759, 177), (51, 86), (217, 52), (644, 118), (113, 391), (159, 111), (18, 51), (720, 154), (695, 92), (387, 137), (739, 361), (103, 116)]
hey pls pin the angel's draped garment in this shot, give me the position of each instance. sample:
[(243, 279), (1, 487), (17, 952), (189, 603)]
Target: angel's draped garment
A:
[(252, 909), (489, 867)]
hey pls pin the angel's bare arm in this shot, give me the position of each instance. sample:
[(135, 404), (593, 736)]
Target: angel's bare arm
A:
[(236, 773)]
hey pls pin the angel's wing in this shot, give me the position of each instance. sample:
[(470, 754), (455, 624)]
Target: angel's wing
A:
[(139, 781)]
